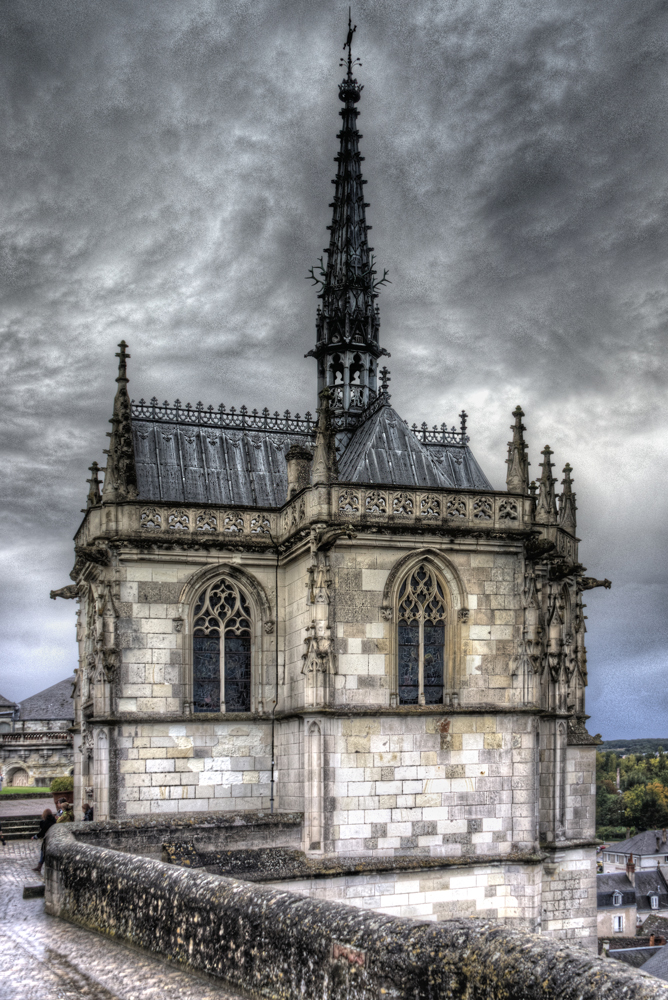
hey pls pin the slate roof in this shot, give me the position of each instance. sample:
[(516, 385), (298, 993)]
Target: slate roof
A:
[(657, 965), (643, 843), (611, 882), (384, 450), (5, 703), (196, 464), (54, 702), (192, 463), (647, 883)]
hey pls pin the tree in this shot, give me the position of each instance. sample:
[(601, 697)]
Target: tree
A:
[(646, 806)]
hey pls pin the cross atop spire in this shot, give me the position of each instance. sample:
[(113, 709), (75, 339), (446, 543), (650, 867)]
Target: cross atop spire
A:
[(348, 44), (348, 322)]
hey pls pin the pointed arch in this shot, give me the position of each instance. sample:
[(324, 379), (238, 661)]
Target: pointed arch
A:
[(423, 598), (225, 624)]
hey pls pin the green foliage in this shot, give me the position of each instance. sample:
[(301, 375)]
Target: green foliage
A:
[(615, 832), (22, 790), (641, 800), (62, 784), (647, 746)]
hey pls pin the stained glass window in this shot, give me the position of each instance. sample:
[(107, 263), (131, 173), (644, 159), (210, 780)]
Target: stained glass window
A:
[(422, 621), (222, 670)]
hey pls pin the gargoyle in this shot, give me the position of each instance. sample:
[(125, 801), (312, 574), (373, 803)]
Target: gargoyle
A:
[(538, 548), (68, 593), (325, 538), (589, 583)]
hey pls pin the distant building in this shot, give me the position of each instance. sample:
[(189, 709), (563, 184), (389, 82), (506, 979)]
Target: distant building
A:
[(8, 711), (648, 849), (624, 900), (35, 738)]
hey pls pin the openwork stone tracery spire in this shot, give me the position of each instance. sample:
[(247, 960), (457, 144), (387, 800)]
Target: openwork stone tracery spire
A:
[(348, 321)]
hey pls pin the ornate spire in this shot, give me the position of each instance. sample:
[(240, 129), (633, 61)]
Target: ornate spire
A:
[(567, 507), (546, 505), (120, 481), (348, 322), (324, 469), (94, 496), (517, 477)]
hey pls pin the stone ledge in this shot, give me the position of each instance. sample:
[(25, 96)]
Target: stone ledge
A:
[(269, 864), (277, 944)]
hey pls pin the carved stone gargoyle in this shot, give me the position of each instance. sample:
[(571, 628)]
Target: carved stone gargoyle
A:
[(589, 583), (68, 593)]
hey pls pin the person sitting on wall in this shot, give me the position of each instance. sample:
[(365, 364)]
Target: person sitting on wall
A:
[(67, 815), (45, 824), (87, 812)]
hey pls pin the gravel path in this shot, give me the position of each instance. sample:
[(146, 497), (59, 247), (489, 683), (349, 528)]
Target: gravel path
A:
[(44, 958)]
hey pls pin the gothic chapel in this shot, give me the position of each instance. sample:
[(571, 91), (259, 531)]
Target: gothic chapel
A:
[(341, 618)]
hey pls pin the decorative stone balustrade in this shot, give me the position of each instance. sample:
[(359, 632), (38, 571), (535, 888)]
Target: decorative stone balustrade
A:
[(435, 507), (220, 522), (37, 737)]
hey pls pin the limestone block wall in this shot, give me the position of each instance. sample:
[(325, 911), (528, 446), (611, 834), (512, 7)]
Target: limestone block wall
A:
[(483, 643), (431, 784), (509, 895), (581, 792), (154, 628), (193, 766), (569, 893)]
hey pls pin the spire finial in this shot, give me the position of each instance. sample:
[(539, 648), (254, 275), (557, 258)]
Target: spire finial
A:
[(546, 506), (517, 477), (94, 496), (120, 481), (348, 44), (324, 469), (567, 507), (123, 357), (385, 379)]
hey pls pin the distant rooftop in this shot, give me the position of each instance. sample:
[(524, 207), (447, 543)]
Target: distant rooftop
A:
[(54, 702)]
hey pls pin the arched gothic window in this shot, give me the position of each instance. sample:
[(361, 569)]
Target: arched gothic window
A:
[(222, 650), (422, 621)]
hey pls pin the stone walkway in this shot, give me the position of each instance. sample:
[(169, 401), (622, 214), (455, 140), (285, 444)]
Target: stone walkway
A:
[(43, 958), (24, 807)]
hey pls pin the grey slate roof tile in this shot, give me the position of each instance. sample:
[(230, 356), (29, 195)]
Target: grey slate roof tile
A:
[(198, 464), (384, 450), (643, 843), (54, 702), (211, 465)]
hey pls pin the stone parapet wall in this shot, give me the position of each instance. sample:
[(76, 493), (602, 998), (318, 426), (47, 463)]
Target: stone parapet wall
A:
[(206, 832), (273, 943)]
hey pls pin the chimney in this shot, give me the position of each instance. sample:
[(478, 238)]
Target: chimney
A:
[(298, 460), (631, 871), (651, 940)]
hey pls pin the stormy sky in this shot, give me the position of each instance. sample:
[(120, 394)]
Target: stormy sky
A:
[(165, 170)]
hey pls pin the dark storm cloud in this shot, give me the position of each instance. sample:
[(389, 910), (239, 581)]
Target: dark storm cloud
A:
[(165, 171)]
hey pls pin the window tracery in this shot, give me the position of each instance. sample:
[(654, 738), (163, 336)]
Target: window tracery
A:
[(222, 649), (421, 624)]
